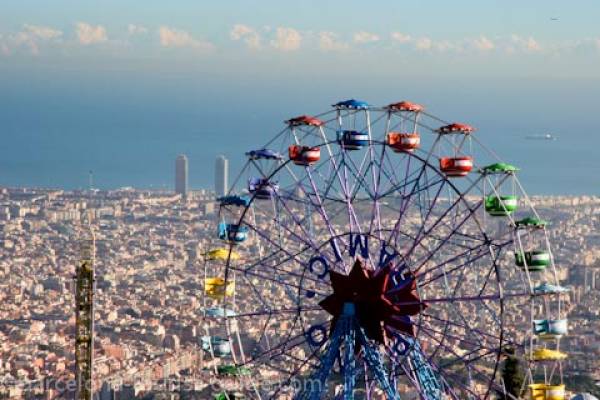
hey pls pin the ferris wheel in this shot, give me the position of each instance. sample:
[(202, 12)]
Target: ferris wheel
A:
[(380, 253)]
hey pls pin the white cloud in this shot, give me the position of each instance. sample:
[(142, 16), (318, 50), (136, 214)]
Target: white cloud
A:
[(483, 43), (400, 37), (30, 37), (365, 37), (4, 48), (533, 45), (424, 43), (25, 39), (328, 42), (42, 32), (133, 29), (89, 34), (447, 45), (287, 39), (247, 34), (170, 37), (526, 44)]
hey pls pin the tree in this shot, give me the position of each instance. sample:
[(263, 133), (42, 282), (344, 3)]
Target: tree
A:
[(513, 375)]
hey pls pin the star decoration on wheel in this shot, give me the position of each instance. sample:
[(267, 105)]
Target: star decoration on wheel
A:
[(380, 307)]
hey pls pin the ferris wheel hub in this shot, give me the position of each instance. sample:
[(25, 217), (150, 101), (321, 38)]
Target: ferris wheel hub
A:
[(381, 309)]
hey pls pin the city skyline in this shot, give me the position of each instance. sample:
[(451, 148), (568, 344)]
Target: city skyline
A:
[(148, 281)]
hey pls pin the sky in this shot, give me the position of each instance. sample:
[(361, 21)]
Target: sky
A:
[(123, 87)]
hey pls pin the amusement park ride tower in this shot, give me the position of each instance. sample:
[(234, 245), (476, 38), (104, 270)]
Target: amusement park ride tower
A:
[(84, 312)]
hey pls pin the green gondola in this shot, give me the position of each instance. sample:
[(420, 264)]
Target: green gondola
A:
[(229, 396), (531, 222), (536, 260), (500, 206), (499, 168), (232, 370)]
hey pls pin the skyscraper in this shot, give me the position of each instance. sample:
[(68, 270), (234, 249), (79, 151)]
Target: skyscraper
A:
[(181, 175), (221, 176)]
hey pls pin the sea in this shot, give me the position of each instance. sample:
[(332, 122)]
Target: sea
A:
[(52, 134)]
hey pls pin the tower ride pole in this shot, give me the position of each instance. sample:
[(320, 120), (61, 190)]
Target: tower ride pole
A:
[(84, 313)]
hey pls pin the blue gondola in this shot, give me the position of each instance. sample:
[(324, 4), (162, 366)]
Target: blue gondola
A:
[(220, 346), (262, 188), (547, 288), (232, 232), (550, 328), (264, 154), (219, 312), (242, 201), (352, 104), (353, 140)]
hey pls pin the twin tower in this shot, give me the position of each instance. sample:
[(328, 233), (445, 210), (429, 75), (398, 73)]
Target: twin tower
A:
[(221, 175)]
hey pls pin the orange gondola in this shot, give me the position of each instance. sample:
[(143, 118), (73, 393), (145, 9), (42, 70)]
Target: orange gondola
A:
[(456, 166), (304, 155), (403, 142)]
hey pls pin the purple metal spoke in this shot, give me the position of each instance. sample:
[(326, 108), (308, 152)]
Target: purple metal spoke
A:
[(454, 258), (445, 334), (463, 299), (295, 373), (453, 323), (359, 178), (470, 214), (444, 241), (276, 312), (278, 347), (459, 283), (276, 256), (324, 215), (275, 268), (482, 253), (308, 240), (448, 349), (376, 211), (408, 371), (406, 199), (352, 216), (291, 256), (269, 278), (255, 290), (284, 343)]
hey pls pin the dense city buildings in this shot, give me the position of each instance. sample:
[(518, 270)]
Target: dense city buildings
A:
[(221, 176), (181, 175), (149, 284)]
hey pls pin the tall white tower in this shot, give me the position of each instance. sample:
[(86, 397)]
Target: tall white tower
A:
[(221, 176), (181, 175)]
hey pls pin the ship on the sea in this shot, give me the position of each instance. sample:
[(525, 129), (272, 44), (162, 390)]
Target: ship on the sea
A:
[(547, 136)]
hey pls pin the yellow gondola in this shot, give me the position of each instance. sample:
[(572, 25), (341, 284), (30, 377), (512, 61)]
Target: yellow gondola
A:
[(222, 254), (216, 288), (548, 355), (541, 391)]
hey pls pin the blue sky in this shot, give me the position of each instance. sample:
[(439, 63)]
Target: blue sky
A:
[(520, 34), (85, 82)]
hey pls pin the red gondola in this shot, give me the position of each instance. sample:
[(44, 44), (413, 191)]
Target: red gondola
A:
[(403, 142), (304, 120), (304, 155), (406, 106), (456, 128), (456, 166)]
